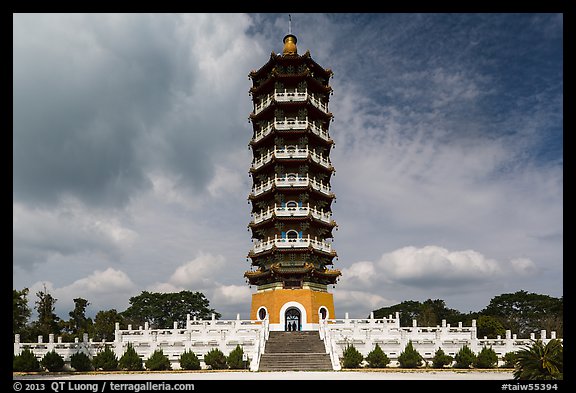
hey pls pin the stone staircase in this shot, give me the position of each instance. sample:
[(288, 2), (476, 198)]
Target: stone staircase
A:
[(294, 351)]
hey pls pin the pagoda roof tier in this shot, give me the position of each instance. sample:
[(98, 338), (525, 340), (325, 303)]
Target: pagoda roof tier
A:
[(307, 271), (290, 60), (304, 76), (287, 126)]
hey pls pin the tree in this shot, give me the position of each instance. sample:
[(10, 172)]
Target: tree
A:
[(52, 361), (235, 358), (486, 358), (25, 361), (464, 358), (429, 313), (78, 323), (441, 359), (351, 358), (489, 326), (189, 361), (215, 359), (47, 320), (408, 310), (20, 310), (130, 360), (525, 312), (104, 324), (509, 360), (158, 361), (160, 310), (540, 361), (81, 362), (410, 357), (377, 358), (105, 360)]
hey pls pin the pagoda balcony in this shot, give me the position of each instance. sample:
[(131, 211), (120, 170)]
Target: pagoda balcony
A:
[(291, 152), (284, 243), (291, 181), (289, 124), (300, 211), (290, 95)]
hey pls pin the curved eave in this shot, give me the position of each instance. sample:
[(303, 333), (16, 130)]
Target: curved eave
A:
[(327, 89), (306, 57), (273, 58), (331, 225)]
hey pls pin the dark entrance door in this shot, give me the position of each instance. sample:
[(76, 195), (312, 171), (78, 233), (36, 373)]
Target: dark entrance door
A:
[(292, 320)]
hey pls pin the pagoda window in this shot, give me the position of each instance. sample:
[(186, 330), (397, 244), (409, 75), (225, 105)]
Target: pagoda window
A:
[(292, 205), (292, 235), (291, 176)]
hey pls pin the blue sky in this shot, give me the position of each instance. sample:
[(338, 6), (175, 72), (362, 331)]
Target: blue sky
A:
[(130, 168)]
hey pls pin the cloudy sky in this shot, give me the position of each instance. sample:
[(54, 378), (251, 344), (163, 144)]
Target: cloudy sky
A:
[(130, 154)]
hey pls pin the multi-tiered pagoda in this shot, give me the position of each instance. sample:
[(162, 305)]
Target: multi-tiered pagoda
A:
[(291, 195)]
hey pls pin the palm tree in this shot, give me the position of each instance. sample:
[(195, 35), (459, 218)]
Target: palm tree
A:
[(540, 361)]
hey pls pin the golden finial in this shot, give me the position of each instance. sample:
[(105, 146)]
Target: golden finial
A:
[(290, 40)]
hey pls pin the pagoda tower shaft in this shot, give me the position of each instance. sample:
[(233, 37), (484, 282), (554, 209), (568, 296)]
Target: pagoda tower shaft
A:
[(291, 195)]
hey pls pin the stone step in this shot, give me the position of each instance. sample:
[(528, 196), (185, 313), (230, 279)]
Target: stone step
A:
[(295, 351), (296, 361)]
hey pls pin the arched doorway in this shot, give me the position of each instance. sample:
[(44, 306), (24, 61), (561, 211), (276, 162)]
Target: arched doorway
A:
[(292, 320)]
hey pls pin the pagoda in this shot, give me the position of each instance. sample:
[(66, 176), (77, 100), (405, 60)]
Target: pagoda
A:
[(291, 195)]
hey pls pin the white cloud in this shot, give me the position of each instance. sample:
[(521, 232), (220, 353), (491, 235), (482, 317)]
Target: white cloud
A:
[(436, 266), (199, 272), (523, 266), (357, 303), (104, 290), (232, 295)]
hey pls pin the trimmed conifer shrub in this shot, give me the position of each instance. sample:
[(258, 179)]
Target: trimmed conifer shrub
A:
[(351, 358), (464, 358), (509, 360), (486, 358), (440, 359), (410, 357), (105, 360), (234, 359), (80, 362), (26, 361), (130, 360), (377, 358), (52, 361), (189, 361), (215, 359), (158, 361)]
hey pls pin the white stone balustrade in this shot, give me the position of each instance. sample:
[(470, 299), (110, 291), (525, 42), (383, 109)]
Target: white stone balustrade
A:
[(201, 336), (286, 95), (290, 124), (303, 242), (300, 211), (291, 152), (291, 181)]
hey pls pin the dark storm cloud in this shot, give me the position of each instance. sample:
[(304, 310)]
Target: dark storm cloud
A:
[(94, 107)]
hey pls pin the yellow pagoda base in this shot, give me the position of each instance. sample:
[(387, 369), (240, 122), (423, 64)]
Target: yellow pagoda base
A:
[(292, 309)]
